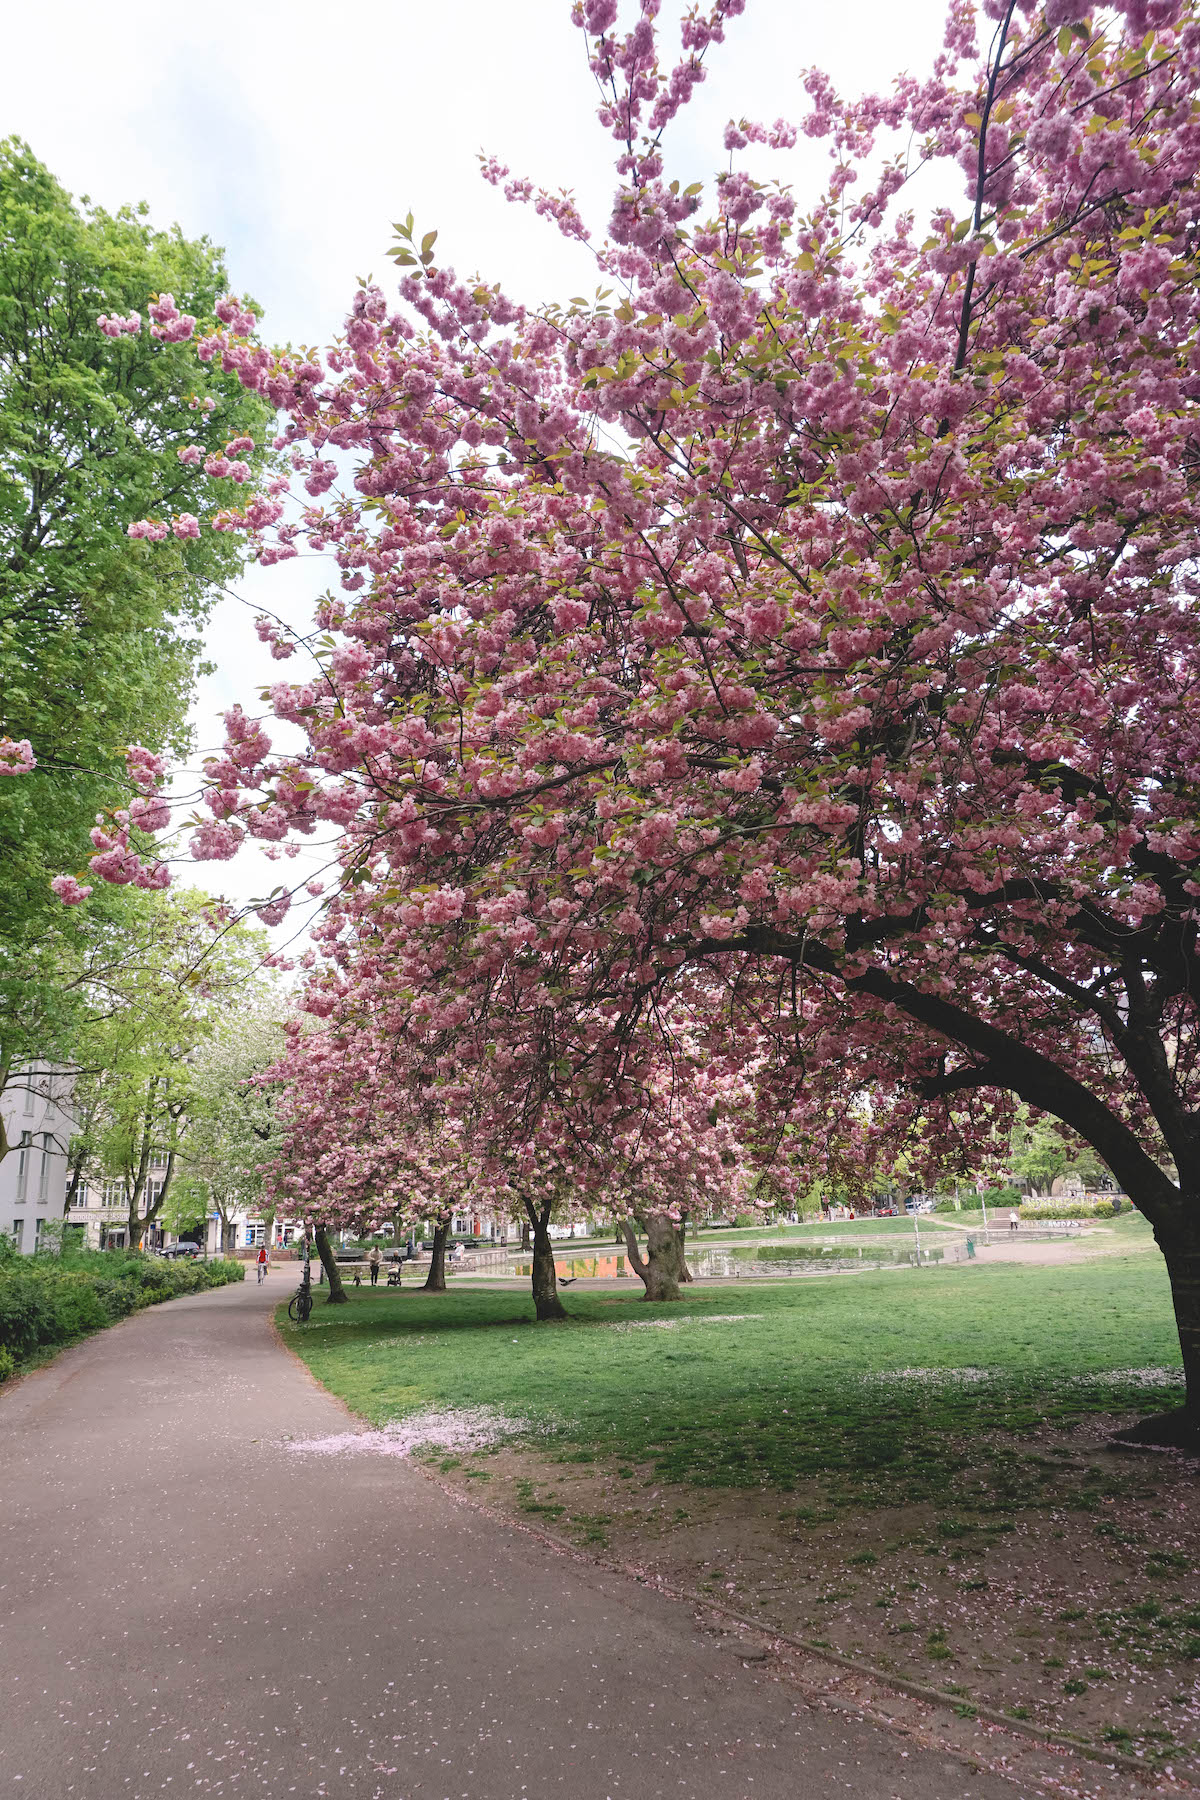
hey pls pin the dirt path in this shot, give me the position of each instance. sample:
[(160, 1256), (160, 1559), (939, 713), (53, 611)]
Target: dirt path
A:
[(190, 1607), (1014, 1250)]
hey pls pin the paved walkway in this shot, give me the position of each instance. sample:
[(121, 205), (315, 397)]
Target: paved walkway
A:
[(188, 1608)]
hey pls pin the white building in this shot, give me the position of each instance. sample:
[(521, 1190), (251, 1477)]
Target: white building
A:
[(249, 1232), (101, 1208), (33, 1176)]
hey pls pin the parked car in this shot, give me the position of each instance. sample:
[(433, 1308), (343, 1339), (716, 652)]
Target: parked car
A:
[(174, 1250), (918, 1204), (887, 1212)]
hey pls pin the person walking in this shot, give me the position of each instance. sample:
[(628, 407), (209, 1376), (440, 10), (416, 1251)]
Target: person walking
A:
[(374, 1260), (1014, 1219), (263, 1261)]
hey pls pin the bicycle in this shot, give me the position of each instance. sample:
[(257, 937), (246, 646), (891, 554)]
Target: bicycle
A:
[(262, 1272), (301, 1302)]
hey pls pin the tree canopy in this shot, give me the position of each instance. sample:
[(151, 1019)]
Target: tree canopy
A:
[(804, 632), (100, 633), (145, 1053)]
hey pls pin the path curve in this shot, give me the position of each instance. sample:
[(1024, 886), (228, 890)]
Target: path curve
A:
[(189, 1609)]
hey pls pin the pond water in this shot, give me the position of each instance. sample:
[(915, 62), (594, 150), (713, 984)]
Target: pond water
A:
[(574, 1266), (753, 1260), (804, 1259)]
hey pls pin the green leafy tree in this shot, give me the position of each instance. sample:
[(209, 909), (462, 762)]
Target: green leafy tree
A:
[(1042, 1150), (136, 1091), (100, 634), (232, 1110)]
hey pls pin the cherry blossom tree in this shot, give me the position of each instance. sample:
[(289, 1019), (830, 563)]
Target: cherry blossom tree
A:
[(816, 609), (378, 1127)]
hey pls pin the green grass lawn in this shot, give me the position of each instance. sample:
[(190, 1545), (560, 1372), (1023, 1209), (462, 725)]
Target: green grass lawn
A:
[(807, 1384)]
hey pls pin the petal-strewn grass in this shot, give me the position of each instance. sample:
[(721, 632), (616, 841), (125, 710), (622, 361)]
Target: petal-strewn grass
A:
[(908, 1466), (786, 1385)]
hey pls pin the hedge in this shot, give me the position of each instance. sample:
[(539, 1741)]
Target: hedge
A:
[(1067, 1209), (52, 1300)]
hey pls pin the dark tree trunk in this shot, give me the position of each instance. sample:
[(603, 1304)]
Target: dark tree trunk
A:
[(1180, 1428), (526, 1240), (546, 1303), (73, 1187), (659, 1269), (685, 1274), (337, 1293), (435, 1281)]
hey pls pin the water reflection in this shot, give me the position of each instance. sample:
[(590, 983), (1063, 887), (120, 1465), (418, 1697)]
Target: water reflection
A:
[(575, 1266), (805, 1259)]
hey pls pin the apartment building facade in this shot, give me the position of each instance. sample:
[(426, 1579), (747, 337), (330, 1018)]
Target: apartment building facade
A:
[(38, 1123)]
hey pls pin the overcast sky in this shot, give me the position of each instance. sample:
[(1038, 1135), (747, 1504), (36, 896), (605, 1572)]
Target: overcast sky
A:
[(293, 134)]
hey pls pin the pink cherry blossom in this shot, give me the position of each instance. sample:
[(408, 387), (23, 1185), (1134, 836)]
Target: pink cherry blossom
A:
[(16, 756), (796, 649), (68, 889)]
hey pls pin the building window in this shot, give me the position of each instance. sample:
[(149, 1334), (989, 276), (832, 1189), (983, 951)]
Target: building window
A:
[(44, 1171), (255, 1235), (39, 1225), (29, 1095), (18, 1228)]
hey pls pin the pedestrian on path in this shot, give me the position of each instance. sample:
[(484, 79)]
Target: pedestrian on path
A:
[(263, 1260), (1014, 1219), (374, 1260)]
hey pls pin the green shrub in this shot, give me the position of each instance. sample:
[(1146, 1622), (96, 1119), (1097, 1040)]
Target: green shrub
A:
[(77, 1307), (119, 1298), (7, 1364), (1000, 1197), (26, 1311), (1067, 1209), (946, 1204)]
